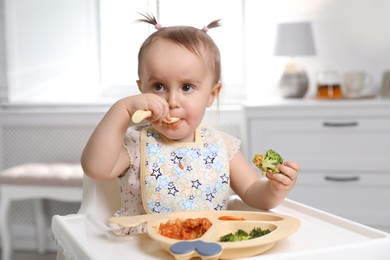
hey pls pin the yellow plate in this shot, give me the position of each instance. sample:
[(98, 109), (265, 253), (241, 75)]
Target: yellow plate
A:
[(280, 226)]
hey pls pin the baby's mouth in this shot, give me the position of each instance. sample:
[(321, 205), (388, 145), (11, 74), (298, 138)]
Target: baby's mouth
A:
[(174, 121)]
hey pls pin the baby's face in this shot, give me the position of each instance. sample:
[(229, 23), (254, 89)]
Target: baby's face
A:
[(184, 80)]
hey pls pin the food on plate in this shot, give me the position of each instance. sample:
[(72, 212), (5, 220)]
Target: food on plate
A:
[(187, 229), (241, 235), (230, 218), (268, 162)]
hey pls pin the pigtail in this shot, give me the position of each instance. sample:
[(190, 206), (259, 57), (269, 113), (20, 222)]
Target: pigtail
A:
[(213, 24), (150, 19)]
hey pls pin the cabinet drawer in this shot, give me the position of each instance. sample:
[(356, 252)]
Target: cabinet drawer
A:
[(362, 198), (345, 144)]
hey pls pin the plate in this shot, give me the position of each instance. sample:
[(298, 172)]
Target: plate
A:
[(208, 245)]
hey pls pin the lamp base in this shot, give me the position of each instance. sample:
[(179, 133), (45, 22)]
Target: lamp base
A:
[(294, 82), (294, 85)]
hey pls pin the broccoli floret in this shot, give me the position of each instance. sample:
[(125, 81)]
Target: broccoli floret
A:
[(258, 232), (227, 238), (237, 236), (241, 235), (268, 161)]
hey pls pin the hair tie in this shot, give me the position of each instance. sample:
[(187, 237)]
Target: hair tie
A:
[(205, 29), (157, 26)]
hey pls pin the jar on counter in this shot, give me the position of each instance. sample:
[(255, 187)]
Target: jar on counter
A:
[(329, 84)]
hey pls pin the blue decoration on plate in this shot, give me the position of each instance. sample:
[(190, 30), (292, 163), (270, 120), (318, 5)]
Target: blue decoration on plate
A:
[(202, 248)]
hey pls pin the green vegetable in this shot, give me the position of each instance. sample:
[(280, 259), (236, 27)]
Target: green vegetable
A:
[(241, 235), (258, 232), (268, 161)]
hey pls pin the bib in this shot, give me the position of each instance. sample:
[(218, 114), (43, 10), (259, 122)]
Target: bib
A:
[(184, 176)]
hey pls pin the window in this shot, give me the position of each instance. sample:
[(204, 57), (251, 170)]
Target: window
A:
[(83, 51), (51, 50)]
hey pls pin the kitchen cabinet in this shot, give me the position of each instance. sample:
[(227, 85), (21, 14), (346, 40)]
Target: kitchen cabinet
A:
[(342, 146)]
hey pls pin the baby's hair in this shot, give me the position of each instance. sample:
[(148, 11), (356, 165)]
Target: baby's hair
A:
[(193, 39), (213, 24), (150, 19)]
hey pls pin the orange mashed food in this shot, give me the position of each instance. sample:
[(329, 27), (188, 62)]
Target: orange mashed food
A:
[(188, 229)]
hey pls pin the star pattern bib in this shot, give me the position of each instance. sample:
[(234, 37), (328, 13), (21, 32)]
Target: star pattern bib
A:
[(184, 176)]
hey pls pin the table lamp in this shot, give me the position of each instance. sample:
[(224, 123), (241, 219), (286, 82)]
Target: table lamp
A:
[(294, 39)]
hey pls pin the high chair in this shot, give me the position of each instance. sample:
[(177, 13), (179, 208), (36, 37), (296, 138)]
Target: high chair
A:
[(85, 236), (99, 199)]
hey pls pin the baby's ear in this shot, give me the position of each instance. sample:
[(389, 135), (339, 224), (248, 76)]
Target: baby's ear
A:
[(214, 93)]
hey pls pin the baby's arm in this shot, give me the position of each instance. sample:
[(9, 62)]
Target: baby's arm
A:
[(103, 157), (262, 193)]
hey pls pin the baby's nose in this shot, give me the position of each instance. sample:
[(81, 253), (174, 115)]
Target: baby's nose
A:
[(172, 100)]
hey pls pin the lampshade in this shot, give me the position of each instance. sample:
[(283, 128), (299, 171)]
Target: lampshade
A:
[(294, 39)]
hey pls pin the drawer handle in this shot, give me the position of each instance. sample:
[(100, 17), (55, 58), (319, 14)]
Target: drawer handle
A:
[(342, 179), (340, 124)]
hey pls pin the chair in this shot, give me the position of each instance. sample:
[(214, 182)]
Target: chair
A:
[(99, 199), (36, 181), (102, 199)]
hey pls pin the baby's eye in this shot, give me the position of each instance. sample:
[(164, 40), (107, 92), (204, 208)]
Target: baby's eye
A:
[(187, 88), (158, 87)]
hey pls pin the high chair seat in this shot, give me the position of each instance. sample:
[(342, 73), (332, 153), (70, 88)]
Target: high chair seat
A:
[(36, 181), (99, 201)]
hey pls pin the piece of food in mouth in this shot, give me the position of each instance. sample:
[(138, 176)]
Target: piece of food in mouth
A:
[(173, 120), (241, 235), (187, 229), (268, 162)]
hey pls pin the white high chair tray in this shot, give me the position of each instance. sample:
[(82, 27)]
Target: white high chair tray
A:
[(320, 236)]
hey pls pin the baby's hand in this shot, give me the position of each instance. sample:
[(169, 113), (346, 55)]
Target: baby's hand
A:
[(282, 183), (148, 102)]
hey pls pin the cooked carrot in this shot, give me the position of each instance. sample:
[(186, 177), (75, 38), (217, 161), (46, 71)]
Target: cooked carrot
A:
[(230, 218), (185, 230)]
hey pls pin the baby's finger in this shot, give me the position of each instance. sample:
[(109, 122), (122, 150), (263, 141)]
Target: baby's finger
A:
[(159, 113), (291, 164), (288, 171), (279, 178)]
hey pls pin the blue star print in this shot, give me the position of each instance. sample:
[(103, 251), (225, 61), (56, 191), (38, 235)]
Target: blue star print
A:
[(218, 207), (209, 197), (176, 160), (225, 179), (156, 173), (196, 184), (209, 160), (172, 190)]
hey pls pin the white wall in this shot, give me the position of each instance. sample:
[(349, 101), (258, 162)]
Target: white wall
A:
[(349, 35)]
